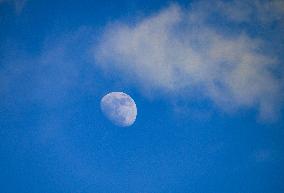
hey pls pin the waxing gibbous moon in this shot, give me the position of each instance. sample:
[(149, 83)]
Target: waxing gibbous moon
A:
[(119, 108)]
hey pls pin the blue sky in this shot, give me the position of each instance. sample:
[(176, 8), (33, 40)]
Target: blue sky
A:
[(207, 80)]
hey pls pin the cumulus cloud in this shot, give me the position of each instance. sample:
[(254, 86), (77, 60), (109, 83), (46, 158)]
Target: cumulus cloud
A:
[(177, 51)]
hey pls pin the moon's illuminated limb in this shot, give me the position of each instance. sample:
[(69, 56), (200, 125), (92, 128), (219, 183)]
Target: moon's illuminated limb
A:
[(119, 108)]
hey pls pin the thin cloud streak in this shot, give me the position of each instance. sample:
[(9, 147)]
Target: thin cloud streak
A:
[(50, 78), (18, 4)]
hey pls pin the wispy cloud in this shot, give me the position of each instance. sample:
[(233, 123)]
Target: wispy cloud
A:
[(247, 11), (18, 4), (49, 78), (180, 52), (262, 155)]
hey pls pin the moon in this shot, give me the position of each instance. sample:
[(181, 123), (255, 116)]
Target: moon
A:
[(119, 108)]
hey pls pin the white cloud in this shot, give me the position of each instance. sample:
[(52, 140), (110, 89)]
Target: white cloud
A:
[(246, 11), (177, 51)]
